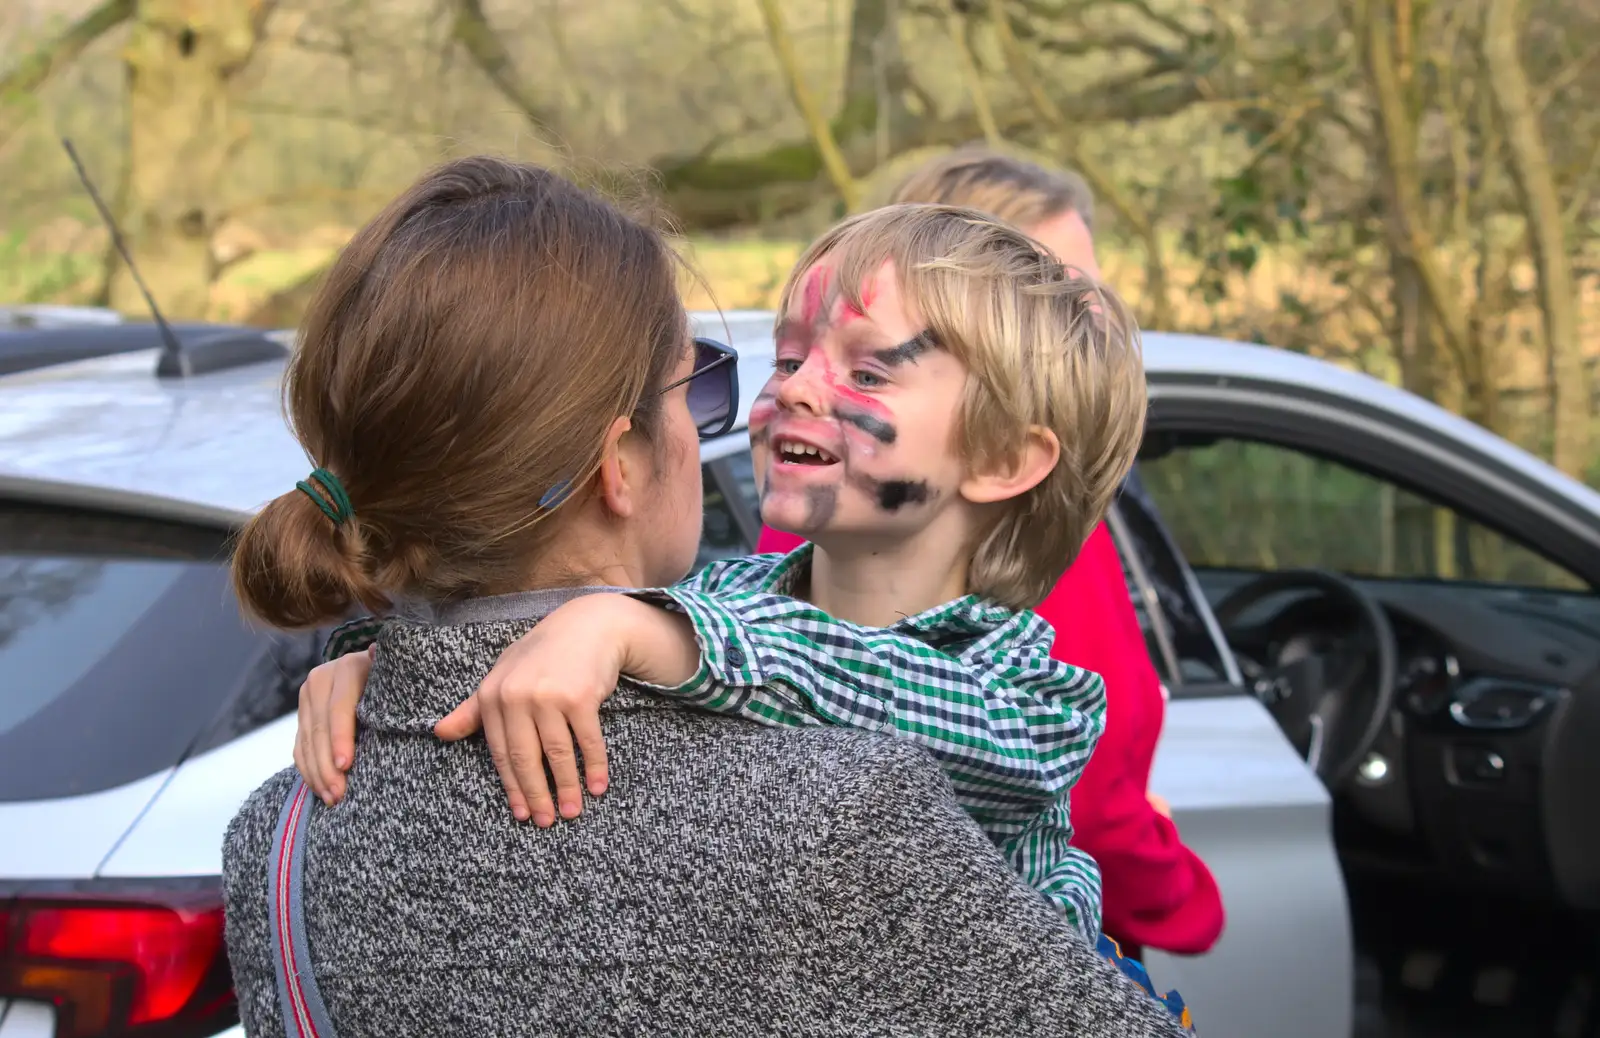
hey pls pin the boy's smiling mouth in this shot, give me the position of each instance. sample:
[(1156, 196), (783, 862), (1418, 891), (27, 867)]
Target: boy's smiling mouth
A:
[(790, 451)]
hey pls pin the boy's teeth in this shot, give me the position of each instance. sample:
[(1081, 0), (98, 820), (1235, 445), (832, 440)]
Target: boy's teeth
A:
[(806, 450)]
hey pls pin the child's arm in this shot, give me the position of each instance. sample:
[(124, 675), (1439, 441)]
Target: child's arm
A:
[(1005, 719), (1068, 877)]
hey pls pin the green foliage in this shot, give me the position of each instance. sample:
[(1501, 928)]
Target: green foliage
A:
[(1241, 505), (26, 277)]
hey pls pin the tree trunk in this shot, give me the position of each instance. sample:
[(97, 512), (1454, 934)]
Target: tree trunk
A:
[(181, 60), (1507, 85), (816, 125), (1373, 23)]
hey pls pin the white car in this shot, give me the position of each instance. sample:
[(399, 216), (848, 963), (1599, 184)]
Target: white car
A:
[(137, 710)]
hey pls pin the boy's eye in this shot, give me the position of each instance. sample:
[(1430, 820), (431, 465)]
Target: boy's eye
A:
[(869, 380), (786, 365)]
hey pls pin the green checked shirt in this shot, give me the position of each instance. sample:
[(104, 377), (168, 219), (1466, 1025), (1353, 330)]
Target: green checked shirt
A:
[(971, 681)]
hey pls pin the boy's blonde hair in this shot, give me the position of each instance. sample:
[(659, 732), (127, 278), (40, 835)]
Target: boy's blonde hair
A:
[(1044, 345), (1017, 191)]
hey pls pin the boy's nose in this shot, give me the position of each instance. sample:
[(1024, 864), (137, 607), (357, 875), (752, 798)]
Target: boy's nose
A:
[(804, 390)]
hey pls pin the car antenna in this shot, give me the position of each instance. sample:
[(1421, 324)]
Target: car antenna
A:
[(171, 361)]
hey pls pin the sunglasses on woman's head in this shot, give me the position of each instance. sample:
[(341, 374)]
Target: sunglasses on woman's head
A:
[(713, 388)]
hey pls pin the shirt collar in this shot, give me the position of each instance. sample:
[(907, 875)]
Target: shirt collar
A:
[(967, 616)]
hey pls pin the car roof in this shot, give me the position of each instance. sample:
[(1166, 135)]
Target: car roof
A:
[(24, 348), (1172, 358), (107, 433)]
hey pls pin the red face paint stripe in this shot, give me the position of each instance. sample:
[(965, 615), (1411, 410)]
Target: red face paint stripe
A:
[(813, 295)]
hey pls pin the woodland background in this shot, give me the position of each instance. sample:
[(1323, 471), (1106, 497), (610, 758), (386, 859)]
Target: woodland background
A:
[(1408, 187)]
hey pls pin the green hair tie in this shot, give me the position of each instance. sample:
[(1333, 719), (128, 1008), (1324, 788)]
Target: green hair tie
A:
[(328, 494)]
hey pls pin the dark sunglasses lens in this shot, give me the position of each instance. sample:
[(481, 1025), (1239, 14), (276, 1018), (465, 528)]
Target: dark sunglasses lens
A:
[(714, 391)]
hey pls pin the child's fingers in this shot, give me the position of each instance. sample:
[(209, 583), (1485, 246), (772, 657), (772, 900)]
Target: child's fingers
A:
[(494, 734), (308, 756), (301, 763), (348, 685), (525, 757), (461, 722), (555, 738), (586, 729)]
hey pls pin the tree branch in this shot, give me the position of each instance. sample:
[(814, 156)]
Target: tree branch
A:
[(1512, 97), (1399, 139), (34, 70), (821, 133), (478, 38), (1104, 185), (958, 27)]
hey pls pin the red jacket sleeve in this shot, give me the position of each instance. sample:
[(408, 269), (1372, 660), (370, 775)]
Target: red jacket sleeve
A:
[(1157, 892), (776, 542)]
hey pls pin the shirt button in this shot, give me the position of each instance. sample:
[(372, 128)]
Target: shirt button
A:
[(735, 656)]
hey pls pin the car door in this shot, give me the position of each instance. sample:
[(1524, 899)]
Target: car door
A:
[(1247, 804), (1254, 477)]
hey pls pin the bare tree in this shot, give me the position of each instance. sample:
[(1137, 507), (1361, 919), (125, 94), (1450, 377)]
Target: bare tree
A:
[(1507, 86), (182, 64), (821, 133)]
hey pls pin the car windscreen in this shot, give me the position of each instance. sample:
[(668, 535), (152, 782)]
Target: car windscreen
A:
[(122, 651)]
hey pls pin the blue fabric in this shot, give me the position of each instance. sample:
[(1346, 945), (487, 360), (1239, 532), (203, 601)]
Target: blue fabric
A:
[(1135, 970)]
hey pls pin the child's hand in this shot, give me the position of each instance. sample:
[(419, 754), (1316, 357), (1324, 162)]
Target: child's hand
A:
[(545, 692), (325, 741), (1159, 802)]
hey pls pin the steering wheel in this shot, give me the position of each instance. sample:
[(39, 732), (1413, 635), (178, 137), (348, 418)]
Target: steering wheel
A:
[(1315, 693)]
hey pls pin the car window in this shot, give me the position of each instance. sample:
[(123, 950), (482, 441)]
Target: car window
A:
[(1239, 504), (123, 651)]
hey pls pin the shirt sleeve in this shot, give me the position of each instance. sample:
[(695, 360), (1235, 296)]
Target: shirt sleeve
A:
[(352, 636), (1042, 854), (1008, 723)]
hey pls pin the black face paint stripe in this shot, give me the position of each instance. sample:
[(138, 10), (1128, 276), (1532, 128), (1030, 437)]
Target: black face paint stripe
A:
[(895, 494), (874, 427), (908, 351), (891, 495)]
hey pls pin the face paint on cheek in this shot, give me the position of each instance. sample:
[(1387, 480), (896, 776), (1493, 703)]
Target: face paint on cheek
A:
[(879, 429), (891, 495), (762, 411), (821, 503)]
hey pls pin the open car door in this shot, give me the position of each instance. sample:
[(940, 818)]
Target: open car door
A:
[(1274, 473)]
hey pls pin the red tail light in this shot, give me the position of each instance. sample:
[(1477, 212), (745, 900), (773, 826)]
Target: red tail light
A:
[(141, 967)]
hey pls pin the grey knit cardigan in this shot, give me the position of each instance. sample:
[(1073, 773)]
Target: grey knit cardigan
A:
[(735, 880)]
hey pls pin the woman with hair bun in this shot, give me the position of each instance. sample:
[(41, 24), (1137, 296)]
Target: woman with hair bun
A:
[(498, 391)]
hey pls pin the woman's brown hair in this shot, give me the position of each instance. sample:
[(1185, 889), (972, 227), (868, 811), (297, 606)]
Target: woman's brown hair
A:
[(461, 364)]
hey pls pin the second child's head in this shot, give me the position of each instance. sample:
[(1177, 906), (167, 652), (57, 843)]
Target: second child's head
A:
[(941, 382), (1053, 206)]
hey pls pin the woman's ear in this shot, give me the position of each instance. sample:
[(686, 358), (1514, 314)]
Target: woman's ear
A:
[(619, 472), (1028, 467)]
